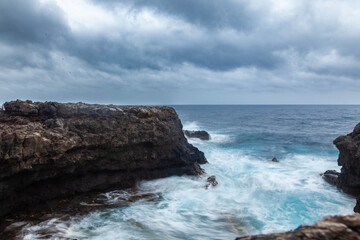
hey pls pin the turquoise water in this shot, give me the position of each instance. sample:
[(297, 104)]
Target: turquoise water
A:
[(254, 195)]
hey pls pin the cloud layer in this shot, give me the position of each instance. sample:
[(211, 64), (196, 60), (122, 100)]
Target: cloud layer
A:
[(180, 51)]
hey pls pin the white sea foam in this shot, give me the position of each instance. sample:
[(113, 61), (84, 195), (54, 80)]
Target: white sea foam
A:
[(254, 195), (192, 126), (220, 138), (57, 228)]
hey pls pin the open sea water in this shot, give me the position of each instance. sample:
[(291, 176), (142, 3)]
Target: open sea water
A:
[(254, 194)]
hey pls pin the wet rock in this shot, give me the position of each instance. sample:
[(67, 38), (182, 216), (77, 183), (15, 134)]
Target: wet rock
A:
[(357, 206), (329, 228), (203, 135), (348, 179), (14, 226), (51, 150), (211, 181), (331, 176), (274, 159)]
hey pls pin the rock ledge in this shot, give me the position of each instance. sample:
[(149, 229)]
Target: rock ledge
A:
[(50, 150), (329, 228)]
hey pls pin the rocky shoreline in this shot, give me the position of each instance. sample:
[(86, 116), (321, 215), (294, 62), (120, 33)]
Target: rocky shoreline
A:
[(56, 157), (348, 180), (51, 150), (329, 228)]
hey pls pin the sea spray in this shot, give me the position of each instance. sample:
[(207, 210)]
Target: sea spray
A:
[(254, 194)]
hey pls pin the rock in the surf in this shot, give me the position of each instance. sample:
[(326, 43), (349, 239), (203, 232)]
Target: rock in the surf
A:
[(211, 181), (203, 135), (331, 176)]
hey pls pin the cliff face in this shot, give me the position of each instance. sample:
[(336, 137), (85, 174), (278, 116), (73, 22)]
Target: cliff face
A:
[(330, 228), (349, 159), (52, 150), (348, 180)]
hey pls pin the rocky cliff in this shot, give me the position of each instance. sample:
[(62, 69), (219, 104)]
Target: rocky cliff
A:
[(349, 159), (52, 150), (330, 228), (348, 179)]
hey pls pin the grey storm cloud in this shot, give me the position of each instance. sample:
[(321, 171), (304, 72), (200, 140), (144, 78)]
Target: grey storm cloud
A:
[(206, 13), (163, 52)]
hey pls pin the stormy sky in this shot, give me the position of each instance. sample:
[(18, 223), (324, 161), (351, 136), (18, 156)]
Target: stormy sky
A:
[(181, 51)]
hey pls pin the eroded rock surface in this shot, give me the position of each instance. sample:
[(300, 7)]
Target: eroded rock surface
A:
[(52, 150), (349, 159), (330, 228)]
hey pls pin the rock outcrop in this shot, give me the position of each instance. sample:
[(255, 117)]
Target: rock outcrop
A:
[(330, 228), (348, 180), (211, 181), (52, 150), (349, 159), (331, 176), (203, 135)]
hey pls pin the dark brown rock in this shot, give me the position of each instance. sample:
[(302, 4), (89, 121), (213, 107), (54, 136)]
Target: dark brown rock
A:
[(330, 228), (211, 181), (52, 150), (274, 159), (203, 135)]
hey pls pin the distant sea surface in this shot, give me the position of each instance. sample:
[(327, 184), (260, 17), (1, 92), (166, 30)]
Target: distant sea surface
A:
[(254, 194)]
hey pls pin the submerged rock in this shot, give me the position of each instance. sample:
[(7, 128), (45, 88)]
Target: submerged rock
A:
[(203, 135), (52, 150), (211, 181), (274, 159), (329, 228)]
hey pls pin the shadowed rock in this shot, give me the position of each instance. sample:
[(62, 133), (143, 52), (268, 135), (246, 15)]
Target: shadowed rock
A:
[(274, 159), (332, 177), (211, 181), (348, 180), (52, 150), (329, 228), (357, 206), (349, 159), (203, 135)]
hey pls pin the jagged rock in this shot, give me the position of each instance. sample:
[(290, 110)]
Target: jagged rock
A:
[(329, 228), (51, 150), (349, 158), (203, 135), (331, 176), (357, 206), (211, 181), (274, 159)]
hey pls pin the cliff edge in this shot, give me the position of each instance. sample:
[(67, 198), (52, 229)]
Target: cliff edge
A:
[(50, 150)]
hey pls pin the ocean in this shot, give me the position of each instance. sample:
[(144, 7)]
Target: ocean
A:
[(254, 195)]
